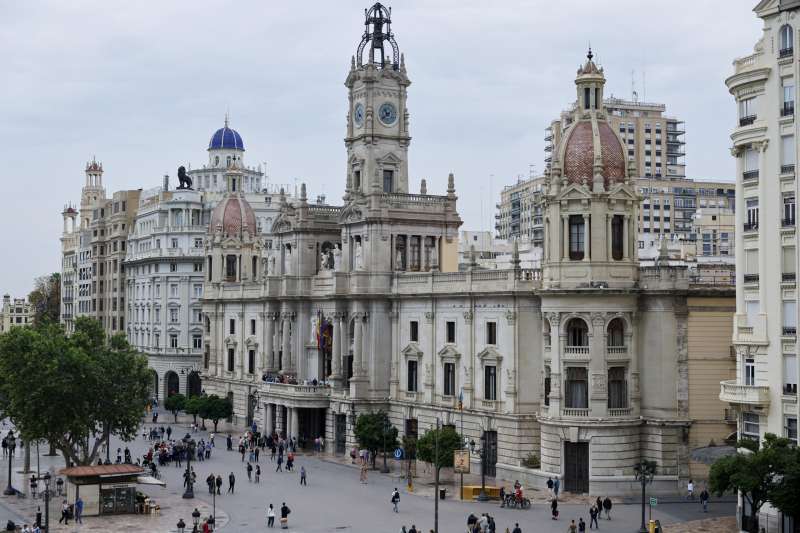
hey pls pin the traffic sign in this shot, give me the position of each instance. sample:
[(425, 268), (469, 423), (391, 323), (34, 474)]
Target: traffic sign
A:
[(653, 502), (398, 453)]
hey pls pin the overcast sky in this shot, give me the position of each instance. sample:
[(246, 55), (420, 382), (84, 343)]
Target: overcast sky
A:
[(142, 85)]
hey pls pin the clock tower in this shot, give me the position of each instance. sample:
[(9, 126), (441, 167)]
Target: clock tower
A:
[(377, 120)]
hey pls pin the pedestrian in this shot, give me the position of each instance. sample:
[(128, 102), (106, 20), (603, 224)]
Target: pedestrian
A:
[(403, 529), (229, 442), (303, 476), (321, 444), (517, 528), (572, 527), (550, 486), (395, 499), (363, 477), (34, 484), (64, 513), (279, 468), (599, 503), (258, 473), (210, 483), (219, 484), (593, 512), (285, 516), (231, 483), (554, 509), (607, 507), (690, 490), (271, 516), (206, 527), (704, 500), (78, 510), (169, 432), (249, 472), (581, 525), (413, 529), (257, 452), (556, 486)]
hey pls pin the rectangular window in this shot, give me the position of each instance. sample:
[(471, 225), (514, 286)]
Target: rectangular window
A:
[(197, 290), (789, 374), (791, 430), (231, 326), (451, 332), (173, 315), (576, 391), (252, 326), (449, 379), (197, 342), (750, 428), (490, 382), (752, 308), (547, 382), (617, 388), (789, 317), (173, 267), (173, 341), (230, 359), (230, 267), (788, 150), (752, 213), (747, 108), (388, 181), (251, 361), (749, 372), (788, 210), (491, 333), (173, 290), (174, 243), (617, 233), (576, 237), (413, 328), (751, 160), (412, 376)]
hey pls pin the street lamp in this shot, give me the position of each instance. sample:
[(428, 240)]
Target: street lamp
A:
[(385, 469), (645, 471), (189, 446), (482, 496), (11, 443), (47, 502)]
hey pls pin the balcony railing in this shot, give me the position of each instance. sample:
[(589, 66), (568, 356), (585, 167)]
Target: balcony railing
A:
[(785, 52), (575, 411), (787, 169), (751, 278), (732, 392), (787, 109), (750, 175), (746, 121), (787, 222), (790, 331), (576, 352), (619, 411), (750, 226)]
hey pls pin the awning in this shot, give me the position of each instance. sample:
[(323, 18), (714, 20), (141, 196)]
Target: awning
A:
[(149, 480)]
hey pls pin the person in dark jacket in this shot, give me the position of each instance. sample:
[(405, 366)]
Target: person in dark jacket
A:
[(607, 507), (231, 483), (554, 509), (285, 513), (219, 484), (593, 512)]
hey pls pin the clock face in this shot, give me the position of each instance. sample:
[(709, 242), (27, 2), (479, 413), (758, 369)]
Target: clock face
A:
[(387, 113), (358, 115)]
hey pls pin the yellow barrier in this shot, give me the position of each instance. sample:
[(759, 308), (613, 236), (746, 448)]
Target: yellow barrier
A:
[(471, 492)]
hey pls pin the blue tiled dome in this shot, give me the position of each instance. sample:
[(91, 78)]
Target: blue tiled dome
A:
[(226, 138)]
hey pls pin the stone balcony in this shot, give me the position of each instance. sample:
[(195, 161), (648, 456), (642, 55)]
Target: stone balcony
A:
[(733, 392), (616, 353), (308, 396), (576, 353)]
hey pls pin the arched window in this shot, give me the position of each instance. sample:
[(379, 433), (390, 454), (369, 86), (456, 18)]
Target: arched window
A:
[(577, 333), (617, 233), (216, 161), (546, 329), (616, 333), (786, 39)]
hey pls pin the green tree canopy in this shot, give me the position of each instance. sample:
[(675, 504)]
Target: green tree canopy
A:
[(372, 431), (440, 454), (45, 298), (174, 404), (756, 474), (215, 408), (193, 405), (74, 392)]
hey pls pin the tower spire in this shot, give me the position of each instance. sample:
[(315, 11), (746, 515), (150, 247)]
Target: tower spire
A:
[(227, 117)]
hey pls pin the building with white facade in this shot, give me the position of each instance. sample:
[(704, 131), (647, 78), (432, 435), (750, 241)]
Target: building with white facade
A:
[(591, 362), (15, 312), (764, 86)]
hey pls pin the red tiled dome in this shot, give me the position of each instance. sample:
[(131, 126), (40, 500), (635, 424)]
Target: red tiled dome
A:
[(579, 155), (235, 215)]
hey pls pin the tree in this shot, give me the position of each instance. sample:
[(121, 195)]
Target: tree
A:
[(192, 406), (440, 454), (755, 474), (175, 403), (58, 388), (783, 495), (215, 408), (45, 298), (372, 431)]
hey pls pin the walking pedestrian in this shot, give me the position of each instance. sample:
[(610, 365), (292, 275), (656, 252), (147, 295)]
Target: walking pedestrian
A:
[(279, 468), (64, 513), (607, 507), (79, 510), (303, 476), (257, 452), (572, 527), (34, 484), (219, 484), (258, 473), (363, 477), (231, 483), (516, 528), (593, 512), (210, 483), (249, 472), (704, 500), (581, 525), (271, 516), (550, 486), (690, 490), (554, 509), (395, 499), (285, 515), (556, 486)]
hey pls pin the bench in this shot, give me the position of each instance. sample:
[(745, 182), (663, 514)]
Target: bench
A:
[(471, 492)]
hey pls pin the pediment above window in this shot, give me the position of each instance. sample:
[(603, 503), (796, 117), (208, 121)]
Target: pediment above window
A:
[(449, 352), (412, 350), (231, 341), (489, 354), (251, 342)]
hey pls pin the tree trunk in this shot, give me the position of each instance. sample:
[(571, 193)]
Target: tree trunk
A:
[(176, 416), (215, 425), (52, 452), (27, 464)]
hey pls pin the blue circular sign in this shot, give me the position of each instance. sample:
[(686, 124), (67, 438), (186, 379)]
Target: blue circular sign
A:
[(398, 453)]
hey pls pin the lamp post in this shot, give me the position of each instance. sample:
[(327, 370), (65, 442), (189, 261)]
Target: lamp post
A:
[(189, 446), (482, 496), (47, 502), (385, 469), (11, 443), (645, 471)]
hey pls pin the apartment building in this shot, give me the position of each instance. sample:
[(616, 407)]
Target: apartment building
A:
[(764, 393), (15, 312)]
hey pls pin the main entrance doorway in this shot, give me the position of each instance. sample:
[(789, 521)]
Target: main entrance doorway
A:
[(491, 453), (341, 434), (576, 467)]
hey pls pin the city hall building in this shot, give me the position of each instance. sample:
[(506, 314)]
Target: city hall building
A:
[(591, 363)]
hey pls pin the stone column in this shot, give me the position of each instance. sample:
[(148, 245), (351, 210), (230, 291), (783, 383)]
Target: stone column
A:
[(344, 343), (295, 424), (285, 346), (358, 340), (287, 421), (556, 342), (609, 239), (365, 342), (565, 236), (268, 418), (587, 248), (241, 347), (626, 237), (336, 356), (269, 341), (436, 260)]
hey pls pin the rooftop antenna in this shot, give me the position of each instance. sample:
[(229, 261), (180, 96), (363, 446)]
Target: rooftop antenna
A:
[(531, 170), (634, 94), (644, 85)]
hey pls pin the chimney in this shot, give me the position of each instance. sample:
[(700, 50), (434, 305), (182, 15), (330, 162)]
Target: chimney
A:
[(166, 182)]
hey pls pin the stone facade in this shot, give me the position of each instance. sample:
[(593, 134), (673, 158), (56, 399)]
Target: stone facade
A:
[(15, 312)]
